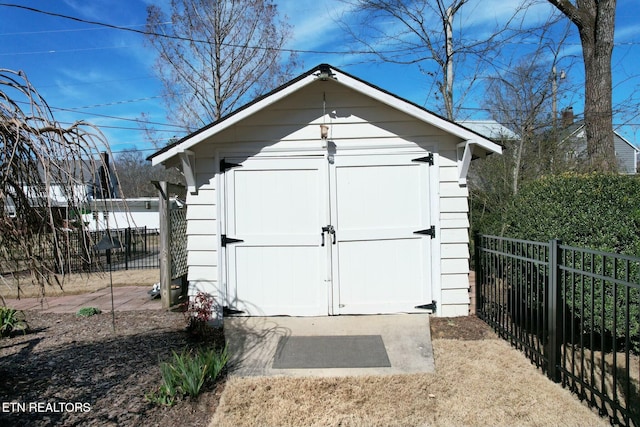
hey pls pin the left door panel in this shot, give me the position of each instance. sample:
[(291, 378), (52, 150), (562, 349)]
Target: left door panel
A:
[(277, 207)]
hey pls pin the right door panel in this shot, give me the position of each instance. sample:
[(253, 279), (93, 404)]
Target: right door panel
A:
[(379, 264)]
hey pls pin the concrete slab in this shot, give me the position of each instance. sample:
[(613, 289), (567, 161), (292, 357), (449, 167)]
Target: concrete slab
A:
[(253, 342)]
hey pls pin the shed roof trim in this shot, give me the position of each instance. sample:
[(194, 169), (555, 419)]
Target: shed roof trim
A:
[(305, 79)]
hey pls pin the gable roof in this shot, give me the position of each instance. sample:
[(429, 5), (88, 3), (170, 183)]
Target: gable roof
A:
[(321, 72)]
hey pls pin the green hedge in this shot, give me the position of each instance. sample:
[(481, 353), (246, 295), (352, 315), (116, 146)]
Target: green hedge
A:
[(595, 211)]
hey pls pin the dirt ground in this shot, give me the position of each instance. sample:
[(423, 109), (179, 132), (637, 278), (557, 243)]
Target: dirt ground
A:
[(66, 359), (80, 360)]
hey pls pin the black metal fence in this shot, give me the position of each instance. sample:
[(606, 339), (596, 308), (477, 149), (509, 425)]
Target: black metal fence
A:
[(137, 248), (574, 312)]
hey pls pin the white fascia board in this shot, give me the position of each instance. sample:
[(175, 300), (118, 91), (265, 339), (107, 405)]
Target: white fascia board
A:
[(235, 118), (417, 112)]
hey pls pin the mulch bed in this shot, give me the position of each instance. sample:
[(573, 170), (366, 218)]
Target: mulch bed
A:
[(71, 360), (460, 328), (81, 364)]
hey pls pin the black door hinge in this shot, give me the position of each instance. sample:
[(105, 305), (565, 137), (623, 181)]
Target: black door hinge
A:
[(225, 166), (226, 240), (431, 231), (433, 306), (428, 159), (229, 311)]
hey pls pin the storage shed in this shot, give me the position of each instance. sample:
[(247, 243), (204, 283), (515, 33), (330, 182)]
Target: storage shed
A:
[(329, 196)]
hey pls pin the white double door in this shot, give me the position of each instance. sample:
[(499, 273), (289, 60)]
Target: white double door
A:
[(315, 238)]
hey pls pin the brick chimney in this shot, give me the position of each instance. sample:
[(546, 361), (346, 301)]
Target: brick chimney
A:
[(567, 117)]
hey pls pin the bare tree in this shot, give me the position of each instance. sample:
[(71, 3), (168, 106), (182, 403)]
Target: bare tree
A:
[(421, 32), (135, 174), (43, 172), (518, 101), (595, 21), (216, 55)]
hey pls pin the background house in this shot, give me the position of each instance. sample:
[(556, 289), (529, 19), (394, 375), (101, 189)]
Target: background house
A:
[(141, 212), (573, 142), (329, 196)]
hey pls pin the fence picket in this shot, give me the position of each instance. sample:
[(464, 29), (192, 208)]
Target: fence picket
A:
[(558, 304)]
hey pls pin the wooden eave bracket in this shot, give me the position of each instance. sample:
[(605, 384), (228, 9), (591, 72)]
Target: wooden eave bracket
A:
[(465, 154), (188, 159)]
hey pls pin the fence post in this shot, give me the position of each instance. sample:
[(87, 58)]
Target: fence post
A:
[(477, 264), (127, 247), (554, 295), (165, 243)]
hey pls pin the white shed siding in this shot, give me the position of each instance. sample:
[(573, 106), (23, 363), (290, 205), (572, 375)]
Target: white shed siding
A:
[(454, 239), (358, 125), (202, 231)]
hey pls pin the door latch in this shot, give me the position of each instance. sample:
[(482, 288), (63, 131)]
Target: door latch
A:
[(328, 229)]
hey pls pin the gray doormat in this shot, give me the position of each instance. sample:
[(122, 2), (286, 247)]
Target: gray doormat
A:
[(342, 351)]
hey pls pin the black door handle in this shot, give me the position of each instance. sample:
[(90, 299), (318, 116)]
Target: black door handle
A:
[(329, 229)]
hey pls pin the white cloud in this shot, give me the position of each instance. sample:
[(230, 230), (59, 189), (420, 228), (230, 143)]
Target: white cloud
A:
[(314, 22)]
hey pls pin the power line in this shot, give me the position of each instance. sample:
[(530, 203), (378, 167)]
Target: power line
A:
[(98, 82), (109, 104), (186, 39), (74, 110), (52, 51), (119, 118), (70, 30)]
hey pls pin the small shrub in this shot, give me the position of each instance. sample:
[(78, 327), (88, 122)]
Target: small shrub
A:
[(187, 373), (88, 311), (199, 314), (12, 321)]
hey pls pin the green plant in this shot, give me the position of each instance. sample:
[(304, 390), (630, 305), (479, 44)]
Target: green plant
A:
[(187, 373), (12, 321), (594, 211), (88, 311)]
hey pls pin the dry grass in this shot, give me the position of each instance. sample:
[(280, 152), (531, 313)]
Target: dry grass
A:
[(476, 383), (73, 284), (591, 373)]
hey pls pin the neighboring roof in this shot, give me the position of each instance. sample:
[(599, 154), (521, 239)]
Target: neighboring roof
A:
[(490, 129), (307, 78), (575, 131)]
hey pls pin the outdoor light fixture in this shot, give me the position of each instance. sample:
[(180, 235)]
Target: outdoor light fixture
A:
[(325, 72), (324, 131)]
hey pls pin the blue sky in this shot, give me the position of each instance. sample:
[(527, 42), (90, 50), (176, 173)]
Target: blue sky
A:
[(105, 76)]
